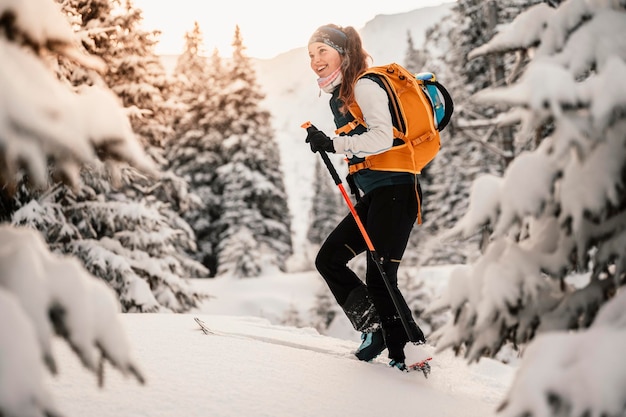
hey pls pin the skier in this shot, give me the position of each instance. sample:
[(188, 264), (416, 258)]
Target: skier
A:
[(388, 208)]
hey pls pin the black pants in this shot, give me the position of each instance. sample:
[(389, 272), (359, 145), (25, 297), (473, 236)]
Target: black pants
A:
[(388, 214)]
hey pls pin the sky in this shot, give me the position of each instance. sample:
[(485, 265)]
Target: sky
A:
[(255, 367), (268, 27)]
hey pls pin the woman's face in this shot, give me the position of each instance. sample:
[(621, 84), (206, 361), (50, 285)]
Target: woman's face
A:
[(324, 59)]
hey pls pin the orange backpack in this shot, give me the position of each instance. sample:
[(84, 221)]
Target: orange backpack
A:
[(422, 107)]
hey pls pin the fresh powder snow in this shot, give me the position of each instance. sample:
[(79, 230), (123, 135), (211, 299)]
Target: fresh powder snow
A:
[(252, 367)]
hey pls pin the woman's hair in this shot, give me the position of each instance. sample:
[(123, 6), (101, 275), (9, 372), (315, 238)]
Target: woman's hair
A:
[(355, 61)]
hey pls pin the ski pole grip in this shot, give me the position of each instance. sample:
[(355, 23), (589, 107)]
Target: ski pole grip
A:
[(329, 165)]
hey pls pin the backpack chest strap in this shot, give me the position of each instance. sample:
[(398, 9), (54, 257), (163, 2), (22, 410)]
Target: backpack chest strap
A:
[(350, 126)]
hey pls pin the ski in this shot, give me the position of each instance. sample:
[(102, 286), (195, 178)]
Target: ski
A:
[(422, 365)]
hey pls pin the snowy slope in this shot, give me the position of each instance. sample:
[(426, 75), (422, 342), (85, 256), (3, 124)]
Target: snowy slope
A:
[(265, 369), (266, 372)]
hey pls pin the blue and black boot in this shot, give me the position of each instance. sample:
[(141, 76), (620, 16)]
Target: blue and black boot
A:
[(361, 312), (372, 345), (399, 365)]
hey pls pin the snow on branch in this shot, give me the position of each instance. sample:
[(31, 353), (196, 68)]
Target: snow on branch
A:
[(522, 194), (570, 17), (588, 188), (594, 44), (544, 86), (548, 30), (484, 206), (607, 93), (522, 33), (589, 361), (40, 21), (45, 294), (558, 211), (23, 374), (43, 119)]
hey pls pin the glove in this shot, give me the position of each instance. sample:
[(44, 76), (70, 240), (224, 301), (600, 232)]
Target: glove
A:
[(319, 141)]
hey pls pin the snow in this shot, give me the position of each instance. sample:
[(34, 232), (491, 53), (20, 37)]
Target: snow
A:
[(39, 291), (41, 113), (269, 369), (41, 19), (253, 367), (526, 194), (574, 358), (483, 205)]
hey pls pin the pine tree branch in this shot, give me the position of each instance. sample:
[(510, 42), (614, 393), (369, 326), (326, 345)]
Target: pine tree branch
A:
[(484, 141)]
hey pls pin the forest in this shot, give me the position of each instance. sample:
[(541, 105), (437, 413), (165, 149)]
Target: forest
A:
[(121, 181)]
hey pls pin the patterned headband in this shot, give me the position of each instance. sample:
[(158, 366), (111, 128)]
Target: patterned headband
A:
[(332, 37)]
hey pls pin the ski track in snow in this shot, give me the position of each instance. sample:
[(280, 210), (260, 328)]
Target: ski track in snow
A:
[(268, 370)]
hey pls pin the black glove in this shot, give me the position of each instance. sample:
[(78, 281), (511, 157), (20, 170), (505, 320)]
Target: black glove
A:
[(319, 141)]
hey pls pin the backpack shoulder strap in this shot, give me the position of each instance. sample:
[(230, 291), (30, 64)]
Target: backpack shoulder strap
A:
[(354, 108), (357, 115), (378, 75)]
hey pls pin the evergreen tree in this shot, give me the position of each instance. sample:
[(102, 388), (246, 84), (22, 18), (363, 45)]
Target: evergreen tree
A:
[(98, 215), (196, 152), (250, 183), (328, 207), (414, 59), (470, 145), (324, 309), (46, 296), (292, 317), (137, 75), (552, 272)]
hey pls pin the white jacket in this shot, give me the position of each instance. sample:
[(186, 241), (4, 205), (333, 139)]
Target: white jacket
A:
[(378, 138)]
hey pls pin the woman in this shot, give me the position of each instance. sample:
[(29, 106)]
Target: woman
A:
[(388, 208)]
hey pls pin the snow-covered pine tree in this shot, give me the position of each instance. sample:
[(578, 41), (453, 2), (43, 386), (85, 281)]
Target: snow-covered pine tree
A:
[(196, 152), (81, 222), (418, 297), (145, 88), (250, 184), (470, 145), (553, 272), (132, 225), (138, 77), (414, 58), (327, 206), (324, 309), (291, 317), (43, 295)]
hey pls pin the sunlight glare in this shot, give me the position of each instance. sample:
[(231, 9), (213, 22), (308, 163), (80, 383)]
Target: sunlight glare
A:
[(268, 28)]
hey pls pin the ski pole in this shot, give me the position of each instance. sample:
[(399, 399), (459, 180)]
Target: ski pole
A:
[(413, 337)]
